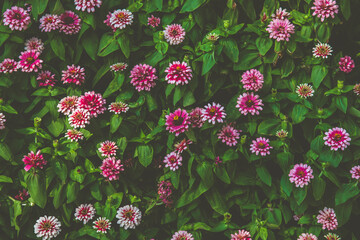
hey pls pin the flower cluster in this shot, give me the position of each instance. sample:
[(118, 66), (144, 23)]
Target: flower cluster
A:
[(119, 19), (327, 218), (346, 64), (337, 138), (17, 18), (181, 146), (46, 78), (22, 195), (249, 103), (305, 90), (261, 145), (173, 160), (322, 50), (307, 236), (213, 113), (355, 172), (182, 235), (34, 44), (33, 160), (129, 217), (67, 22), (177, 122), (252, 80), (241, 235), (118, 67), (165, 189), (87, 5), (47, 227), (324, 9), (153, 21), (174, 34), (73, 74), (84, 213), (102, 225), (111, 168), (143, 77), (29, 61), (118, 107), (178, 73), (280, 28), (301, 175), (2, 121), (229, 135), (9, 65)]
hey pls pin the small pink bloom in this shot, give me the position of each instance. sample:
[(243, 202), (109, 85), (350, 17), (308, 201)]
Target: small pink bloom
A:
[(92, 102), (181, 146), (196, 117), (357, 89), (337, 138), (34, 44), (129, 217), (73, 74), (143, 77), (49, 23), (355, 172), (252, 80), (2, 121), (111, 168), (182, 235), (153, 21), (34, 160), (178, 73), (74, 135), (9, 65), (322, 50), (119, 19), (102, 224), (69, 23), (67, 105), (307, 236), (301, 174), (217, 161), (47, 227), (327, 218), (108, 148), (305, 90), (241, 235), (118, 107), (324, 9), (118, 67), (78, 118), (280, 29), (249, 103), (46, 78), (165, 189), (229, 135), (346, 64), (174, 34), (87, 5), (280, 14), (29, 61), (177, 122), (23, 195), (84, 212), (16, 18), (173, 161), (213, 112), (261, 145)]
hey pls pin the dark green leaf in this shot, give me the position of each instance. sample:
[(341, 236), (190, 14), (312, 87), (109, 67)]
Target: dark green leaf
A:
[(36, 187), (124, 44), (341, 103), (191, 5), (208, 62), (346, 192), (231, 49), (318, 74), (264, 175), (145, 154), (318, 187), (263, 44), (298, 113), (58, 47)]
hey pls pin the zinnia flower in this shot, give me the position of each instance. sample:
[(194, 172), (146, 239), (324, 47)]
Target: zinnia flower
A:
[(119, 19), (73, 74), (129, 217), (355, 172), (46, 78), (322, 50), (248, 103), (92, 102), (196, 117), (111, 168), (67, 105), (213, 37), (118, 107), (252, 80), (69, 23), (305, 90), (2, 121), (16, 18), (29, 61), (228, 135), (178, 73), (337, 138), (241, 235), (108, 148), (88, 5), (165, 191), (327, 218), (213, 112), (261, 145), (153, 21), (307, 236), (118, 67), (181, 146), (281, 14), (182, 235), (280, 29), (332, 236), (49, 22), (22, 196), (34, 160), (301, 175), (84, 212), (282, 133), (78, 118), (9, 65), (177, 122), (174, 34), (346, 64), (34, 44), (142, 77), (74, 135), (324, 9), (102, 224), (357, 89), (47, 227), (173, 161), (217, 161)]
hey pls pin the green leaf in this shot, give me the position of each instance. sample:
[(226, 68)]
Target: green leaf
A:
[(162, 47), (248, 59), (216, 201), (58, 47), (323, 33), (59, 196), (264, 175), (177, 95), (205, 172), (341, 103), (287, 67), (208, 62), (145, 154), (286, 185), (191, 5), (175, 178), (56, 127), (318, 74), (268, 126), (78, 174), (107, 45), (221, 173), (36, 187), (5, 179), (124, 44), (298, 113), (114, 85), (346, 192), (95, 191), (100, 73), (72, 190), (345, 8), (318, 187), (300, 195), (5, 152), (191, 194), (263, 44), (90, 43), (306, 219), (188, 99), (151, 102), (230, 49), (334, 158)]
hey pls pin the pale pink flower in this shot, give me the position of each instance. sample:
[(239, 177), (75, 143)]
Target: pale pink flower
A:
[(213, 112), (327, 218), (249, 103), (322, 50), (282, 133), (16, 18), (357, 89), (213, 37), (46, 78), (252, 80), (173, 161), (196, 118), (111, 168), (102, 224), (67, 105), (182, 235), (108, 148), (87, 5), (332, 236), (9, 65), (129, 217), (84, 212), (307, 236), (92, 102), (337, 138), (69, 23), (261, 145), (34, 160), (2, 121), (346, 64), (174, 34), (241, 235), (178, 73), (280, 29), (78, 118), (181, 146), (177, 122), (143, 77), (301, 175), (119, 19), (74, 135), (153, 21), (118, 107), (229, 135), (29, 61), (281, 14), (47, 227), (34, 44), (73, 74), (49, 22), (324, 9), (355, 172), (118, 67), (305, 90)]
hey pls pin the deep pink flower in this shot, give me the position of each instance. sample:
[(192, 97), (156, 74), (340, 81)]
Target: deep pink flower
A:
[(181, 146), (118, 67), (129, 217), (301, 174), (346, 64), (217, 161), (23, 195), (182, 235), (213, 112), (78, 118), (84, 212), (9, 66), (142, 77), (261, 145), (34, 160), (228, 135), (327, 218), (355, 172), (174, 34), (280, 29), (337, 138), (16, 18), (73, 74), (325, 8), (196, 117), (173, 161), (119, 19), (322, 50), (29, 61), (34, 44), (102, 224), (47, 227), (74, 135), (177, 122), (2, 121), (108, 148), (118, 107), (249, 103), (111, 168), (67, 105), (178, 73), (307, 236), (332, 236), (357, 89), (69, 23), (281, 14), (252, 80), (92, 102), (49, 22), (241, 235), (88, 5), (46, 78), (165, 189), (153, 21), (305, 90)]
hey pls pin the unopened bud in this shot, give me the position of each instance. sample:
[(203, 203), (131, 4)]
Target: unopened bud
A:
[(320, 111), (243, 139), (226, 24), (37, 122), (340, 84)]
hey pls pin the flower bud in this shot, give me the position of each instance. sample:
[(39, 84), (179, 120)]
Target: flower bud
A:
[(340, 84), (37, 122), (320, 111), (227, 217), (161, 35), (226, 24), (243, 139), (273, 92)]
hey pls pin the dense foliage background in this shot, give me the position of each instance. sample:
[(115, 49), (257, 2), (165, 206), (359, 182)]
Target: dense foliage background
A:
[(210, 201)]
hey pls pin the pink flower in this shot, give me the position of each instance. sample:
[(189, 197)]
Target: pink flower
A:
[(228, 135), (74, 135), (242, 235), (118, 67), (165, 189), (252, 80), (118, 107), (129, 217), (142, 77), (119, 19), (322, 50), (29, 61), (327, 218), (102, 224), (357, 89), (217, 161), (9, 66), (92, 102), (46, 78), (49, 22), (73, 74), (174, 34), (182, 235), (281, 14), (305, 90), (2, 121), (111, 168), (337, 138), (355, 172), (261, 145), (181, 146), (16, 18), (178, 73), (153, 21), (307, 236), (213, 112), (84, 212), (324, 9), (301, 175), (173, 161), (108, 148), (78, 118), (280, 29), (248, 103), (69, 23), (177, 122), (346, 64), (67, 105), (34, 160), (196, 117), (282, 133), (332, 236), (88, 5), (47, 227), (22, 196), (34, 44)]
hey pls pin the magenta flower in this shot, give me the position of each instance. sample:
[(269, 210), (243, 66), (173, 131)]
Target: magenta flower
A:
[(228, 135), (280, 29), (129, 217), (118, 67), (213, 112), (74, 135), (153, 21), (324, 9), (118, 107), (357, 89), (346, 64), (142, 77), (2, 121), (88, 5), (177, 122), (217, 161), (102, 224), (305, 90), (22, 195), (84, 212), (92, 102), (108, 148), (252, 80), (49, 23), (119, 19), (69, 23), (322, 50), (241, 235), (181, 146), (337, 138), (301, 174), (16, 18), (29, 61), (73, 74), (196, 117), (248, 103), (327, 218), (178, 73), (47, 227), (281, 14), (46, 78), (174, 34), (165, 189), (111, 168), (332, 236), (34, 160), (9, 65), (182, 235), (307, 236), (355, 172), (67, 105), (173, 161), (78, 118), (34, 44), (261, 145)]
